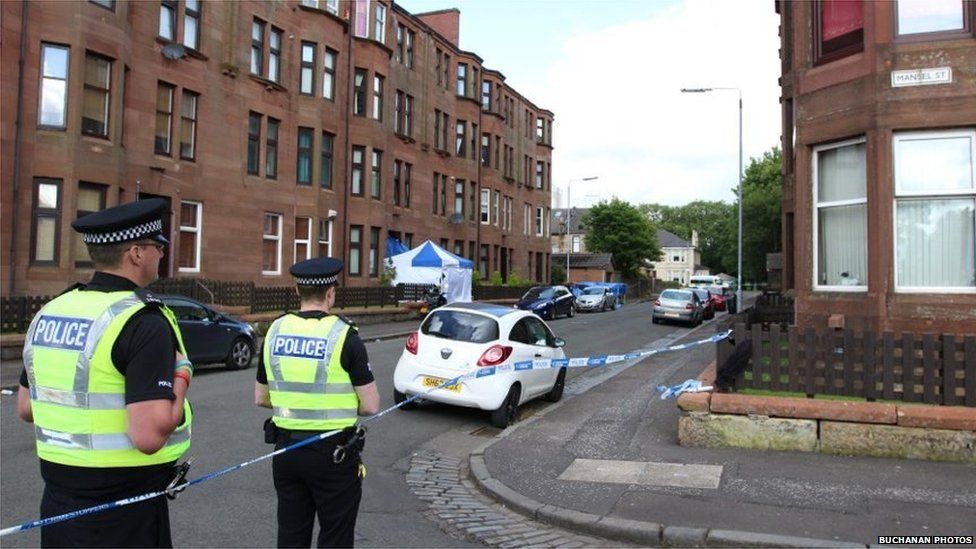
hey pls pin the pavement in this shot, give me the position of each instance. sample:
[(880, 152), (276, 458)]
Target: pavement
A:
[(605, 462)]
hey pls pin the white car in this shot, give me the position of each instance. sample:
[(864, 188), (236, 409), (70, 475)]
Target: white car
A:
[(461, 338)]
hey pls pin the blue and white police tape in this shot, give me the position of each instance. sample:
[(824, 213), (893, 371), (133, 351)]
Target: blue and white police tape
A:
[(687, 386), (581, 362)]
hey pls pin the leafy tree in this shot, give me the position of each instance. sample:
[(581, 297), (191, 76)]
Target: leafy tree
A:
[(714, 221), (621, 229), (717, 222), (762, 195)]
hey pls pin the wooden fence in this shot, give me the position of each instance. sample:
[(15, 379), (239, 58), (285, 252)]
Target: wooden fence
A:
[(17, 312), (927, 368)]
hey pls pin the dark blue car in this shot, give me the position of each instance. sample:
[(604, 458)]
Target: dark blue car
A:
[(211, 336), (548, 302)]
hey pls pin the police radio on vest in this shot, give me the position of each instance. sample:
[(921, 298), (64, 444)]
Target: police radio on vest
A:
[(62, 332)]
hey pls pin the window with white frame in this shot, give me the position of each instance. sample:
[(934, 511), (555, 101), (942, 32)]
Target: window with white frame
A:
[(271, 246), (539, 224), (935, 211), (325, 237), (377, 97), (576, 243), (191, 232), (840, 216), (379, 26), (485, 205), (328, 73), (257, 46), (54, 86), (495, 210), (274, 54), (306, 83), (303, 238), (931, 16)]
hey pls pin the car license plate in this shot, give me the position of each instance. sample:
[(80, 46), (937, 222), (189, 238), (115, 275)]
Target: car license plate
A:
[(436, 382), (672, 314), (423, 310)]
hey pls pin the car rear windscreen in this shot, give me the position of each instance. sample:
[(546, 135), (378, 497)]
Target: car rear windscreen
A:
[(460, 326), (676, 295)]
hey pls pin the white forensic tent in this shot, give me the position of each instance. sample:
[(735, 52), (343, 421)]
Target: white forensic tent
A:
[(431, 264)]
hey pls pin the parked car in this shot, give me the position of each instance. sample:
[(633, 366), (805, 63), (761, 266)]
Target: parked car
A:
[(728, 295), (708, 302), (211, 336), (548, 301), (596, 298), (463, 337), (718, 297), (680, 305)]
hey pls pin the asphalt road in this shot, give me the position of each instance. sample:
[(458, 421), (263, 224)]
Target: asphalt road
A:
[(239, 509)]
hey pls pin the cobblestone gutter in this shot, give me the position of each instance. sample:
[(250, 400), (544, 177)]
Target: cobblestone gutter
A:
[(457, 506)]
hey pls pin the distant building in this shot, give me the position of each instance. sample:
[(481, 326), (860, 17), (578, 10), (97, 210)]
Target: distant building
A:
[(587, 267), (680, 259), (571, 239), (276, 131), (879, 164)]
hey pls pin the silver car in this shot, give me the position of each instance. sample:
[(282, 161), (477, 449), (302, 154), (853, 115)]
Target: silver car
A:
[(680, 305), (596, 298)]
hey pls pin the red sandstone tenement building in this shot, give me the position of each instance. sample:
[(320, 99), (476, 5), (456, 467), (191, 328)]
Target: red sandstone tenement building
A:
[(276, 130), (879, 163)]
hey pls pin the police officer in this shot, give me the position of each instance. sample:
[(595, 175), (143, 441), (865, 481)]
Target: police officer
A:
[(104, 383), (315, 375)]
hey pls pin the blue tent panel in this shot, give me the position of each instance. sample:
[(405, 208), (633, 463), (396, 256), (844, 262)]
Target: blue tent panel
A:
[(394, 247), (465, 263), (427, 257)]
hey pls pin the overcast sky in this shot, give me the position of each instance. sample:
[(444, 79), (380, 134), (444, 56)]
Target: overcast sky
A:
[(612, 70)]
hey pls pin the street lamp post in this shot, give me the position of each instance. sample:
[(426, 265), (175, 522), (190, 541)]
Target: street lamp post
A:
[(569, 214), (738, 294)]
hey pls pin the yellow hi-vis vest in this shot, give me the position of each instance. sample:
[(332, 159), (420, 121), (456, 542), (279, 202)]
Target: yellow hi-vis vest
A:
[(77, 394), (309, 389)]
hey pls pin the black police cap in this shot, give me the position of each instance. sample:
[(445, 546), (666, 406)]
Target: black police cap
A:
[(142, 219), (321, 271)]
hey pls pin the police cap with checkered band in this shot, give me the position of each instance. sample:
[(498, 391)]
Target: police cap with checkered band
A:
[(321, 271), (142, 219)]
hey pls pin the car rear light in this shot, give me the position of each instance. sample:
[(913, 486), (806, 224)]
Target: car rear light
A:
[(412, 343), (495, 355), (658, 302), (689, 307)]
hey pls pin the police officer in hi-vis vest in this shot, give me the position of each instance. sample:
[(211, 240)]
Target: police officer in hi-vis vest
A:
[(315, 375), (104, 382)]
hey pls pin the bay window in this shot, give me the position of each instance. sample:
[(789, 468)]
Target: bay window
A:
[(935, 211), (840, 217)]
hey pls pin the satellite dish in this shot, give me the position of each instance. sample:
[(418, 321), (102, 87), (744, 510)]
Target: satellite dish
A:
[(174, 51)]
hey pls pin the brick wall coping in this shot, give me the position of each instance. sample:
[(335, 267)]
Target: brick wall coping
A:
[(905, 415)]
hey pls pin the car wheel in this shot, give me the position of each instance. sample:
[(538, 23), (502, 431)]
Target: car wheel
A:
[(240, 354), (399, 398), (654, 320), (506, 414), (556, 393), (572, 311)]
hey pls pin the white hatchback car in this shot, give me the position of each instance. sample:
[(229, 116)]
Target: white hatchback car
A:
[(461, 338)]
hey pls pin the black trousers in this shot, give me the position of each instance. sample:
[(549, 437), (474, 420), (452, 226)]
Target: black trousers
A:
[(308, 483), (143, 524)]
